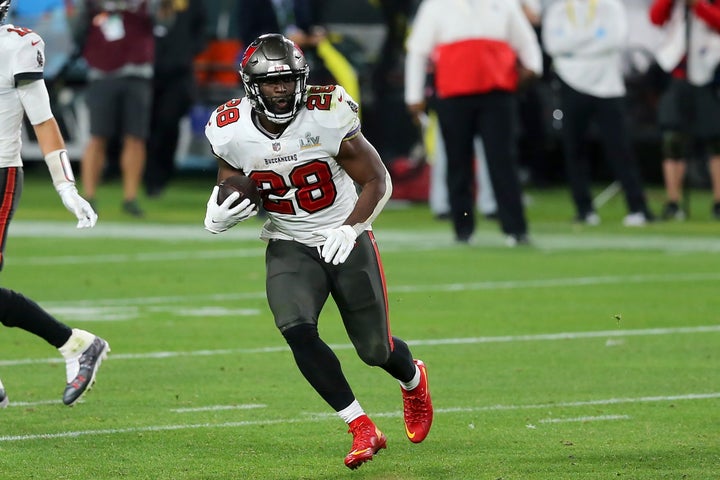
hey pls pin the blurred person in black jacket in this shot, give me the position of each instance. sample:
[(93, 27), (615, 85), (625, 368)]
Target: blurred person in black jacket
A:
[(174, 88), (297, 20)]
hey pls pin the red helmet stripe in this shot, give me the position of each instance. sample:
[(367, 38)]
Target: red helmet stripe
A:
[(248, 53)]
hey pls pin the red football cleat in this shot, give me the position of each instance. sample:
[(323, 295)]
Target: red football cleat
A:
[(367, 440), (418, 409)]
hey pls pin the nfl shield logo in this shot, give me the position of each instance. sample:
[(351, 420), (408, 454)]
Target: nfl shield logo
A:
[(276, 146)]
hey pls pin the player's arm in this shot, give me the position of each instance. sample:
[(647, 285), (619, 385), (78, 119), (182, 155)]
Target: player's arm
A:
[(36, 103), (221, 216), (226, 170), (363, 164), (49, 138)]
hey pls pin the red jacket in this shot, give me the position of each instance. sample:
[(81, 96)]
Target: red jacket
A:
[(660, 12), (473, 66)]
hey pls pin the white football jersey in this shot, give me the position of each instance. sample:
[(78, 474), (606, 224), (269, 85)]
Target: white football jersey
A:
[(22, 56), (304, 189)]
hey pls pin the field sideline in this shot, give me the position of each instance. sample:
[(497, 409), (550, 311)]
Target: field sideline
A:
[(592, 354)]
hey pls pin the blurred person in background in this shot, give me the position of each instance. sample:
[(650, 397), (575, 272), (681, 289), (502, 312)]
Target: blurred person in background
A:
[(586, 40), (117, 42), (23, 93), (301, 21), (297, 20), (481, 50), (532, 159), (689, 109), (439, 200), (174, 88), (530, 110)]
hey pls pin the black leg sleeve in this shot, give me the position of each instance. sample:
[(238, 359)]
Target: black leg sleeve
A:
[(16, 310), (319, 365), (400, 363)]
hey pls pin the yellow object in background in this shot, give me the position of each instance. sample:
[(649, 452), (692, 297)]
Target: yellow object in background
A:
[(340, 68)]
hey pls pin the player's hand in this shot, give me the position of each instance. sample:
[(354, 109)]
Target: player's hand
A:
[(339, 242), (78, 205), (219, 218)]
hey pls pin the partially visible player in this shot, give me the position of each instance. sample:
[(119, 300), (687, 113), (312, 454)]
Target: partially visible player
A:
[(23, 92), (303, 146)]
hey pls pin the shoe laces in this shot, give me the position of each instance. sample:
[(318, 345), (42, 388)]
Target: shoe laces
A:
[(363, 432), (88, 355), (416, 406)]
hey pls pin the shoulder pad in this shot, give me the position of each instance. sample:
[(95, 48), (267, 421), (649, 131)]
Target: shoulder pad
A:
[(342, 111), (219, 128)]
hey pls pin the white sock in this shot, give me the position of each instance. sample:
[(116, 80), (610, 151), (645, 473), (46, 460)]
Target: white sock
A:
[(351, 412), (412, 383), (78, 342)]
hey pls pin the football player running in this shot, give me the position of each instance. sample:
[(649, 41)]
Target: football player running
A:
[(23, 92), (303, 147)]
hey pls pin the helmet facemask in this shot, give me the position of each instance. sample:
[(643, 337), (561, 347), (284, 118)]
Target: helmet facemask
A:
[(272, 56)]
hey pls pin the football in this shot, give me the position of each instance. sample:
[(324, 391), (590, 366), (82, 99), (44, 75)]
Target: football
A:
[(242, 184)]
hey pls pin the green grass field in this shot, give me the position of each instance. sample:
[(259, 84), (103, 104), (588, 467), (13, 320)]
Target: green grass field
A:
[(593, 354)]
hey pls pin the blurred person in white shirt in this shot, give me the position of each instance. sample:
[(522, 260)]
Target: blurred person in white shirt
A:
[(586, 40), (481, 50)]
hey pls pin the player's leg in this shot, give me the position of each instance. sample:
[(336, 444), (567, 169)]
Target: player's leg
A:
[(618, 150), (676, 117), (457, 128), (100, 100), (136, 111), (495, 120), (577, 114), (714, 168), (3, 396), (676, 146), (297, 288), (359, 290), (16, 310), (83, 351)]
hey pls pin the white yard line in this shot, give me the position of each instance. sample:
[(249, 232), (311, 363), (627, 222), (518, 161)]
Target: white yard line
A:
[(325, 417), (216, 408), (398, 240), (679, 277), (596, 418), (427, 343)]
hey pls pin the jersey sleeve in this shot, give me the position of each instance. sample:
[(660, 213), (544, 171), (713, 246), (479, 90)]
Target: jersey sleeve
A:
[(28, 63), (342, 108), (219, 137)]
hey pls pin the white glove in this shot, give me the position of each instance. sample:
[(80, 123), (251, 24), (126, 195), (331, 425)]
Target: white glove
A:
[(339, 242), (219, 218), (78, 205)]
